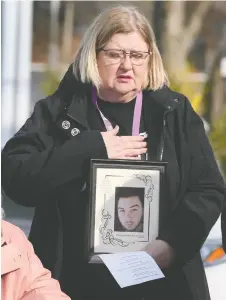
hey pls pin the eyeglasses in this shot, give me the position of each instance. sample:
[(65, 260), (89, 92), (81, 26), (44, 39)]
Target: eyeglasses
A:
[(115, 56)]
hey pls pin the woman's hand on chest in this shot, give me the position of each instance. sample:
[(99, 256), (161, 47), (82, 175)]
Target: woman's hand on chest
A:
[(123, 147)]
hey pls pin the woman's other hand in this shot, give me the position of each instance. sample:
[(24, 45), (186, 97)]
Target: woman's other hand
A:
[(161, 252), (123, 147)]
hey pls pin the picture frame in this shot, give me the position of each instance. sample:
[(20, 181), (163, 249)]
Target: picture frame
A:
[(124, 210)]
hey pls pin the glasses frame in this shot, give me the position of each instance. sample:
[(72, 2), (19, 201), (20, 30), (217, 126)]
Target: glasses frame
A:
[(125, 53)]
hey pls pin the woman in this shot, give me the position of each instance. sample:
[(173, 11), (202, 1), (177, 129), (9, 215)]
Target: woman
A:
[(46, 164), (22, 274)]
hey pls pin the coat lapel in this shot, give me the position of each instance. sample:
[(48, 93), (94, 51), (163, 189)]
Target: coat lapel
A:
[(156, 105), (77, 109), (153, 121), (74, 96)]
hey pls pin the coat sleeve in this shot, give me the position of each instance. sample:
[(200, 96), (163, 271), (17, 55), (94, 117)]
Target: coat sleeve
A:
[(223, 227), (202, 202), (40, 284), (34, 165)]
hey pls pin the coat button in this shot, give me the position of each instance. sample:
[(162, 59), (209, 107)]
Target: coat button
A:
[(66, 124), (175, 100), (75, 131)]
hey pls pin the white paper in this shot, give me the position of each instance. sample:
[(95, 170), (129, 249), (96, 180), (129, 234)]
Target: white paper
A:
[(131, 268)]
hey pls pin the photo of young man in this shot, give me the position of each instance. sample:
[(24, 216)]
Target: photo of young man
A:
[(129, 209)]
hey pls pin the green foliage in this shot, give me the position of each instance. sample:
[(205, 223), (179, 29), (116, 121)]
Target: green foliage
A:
[(192, 90), (217, 137), (50, 83)]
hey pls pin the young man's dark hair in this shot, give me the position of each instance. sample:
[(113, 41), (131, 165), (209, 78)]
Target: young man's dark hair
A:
[(127, 192)]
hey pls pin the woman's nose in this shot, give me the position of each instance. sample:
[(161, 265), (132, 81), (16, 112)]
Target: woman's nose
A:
[(126, 63)]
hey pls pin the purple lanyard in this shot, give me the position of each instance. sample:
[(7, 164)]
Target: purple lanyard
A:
[(136, 115)]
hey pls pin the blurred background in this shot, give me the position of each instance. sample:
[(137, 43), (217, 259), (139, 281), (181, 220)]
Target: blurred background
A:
[(39, 41)]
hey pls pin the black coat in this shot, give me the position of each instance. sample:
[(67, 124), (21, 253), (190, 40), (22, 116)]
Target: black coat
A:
[(223, 228), (45, 166)]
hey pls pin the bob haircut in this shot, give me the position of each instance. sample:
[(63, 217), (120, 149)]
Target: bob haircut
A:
[(114, 20)]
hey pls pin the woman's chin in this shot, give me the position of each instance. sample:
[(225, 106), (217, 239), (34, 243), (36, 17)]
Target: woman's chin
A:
[(123, 89)]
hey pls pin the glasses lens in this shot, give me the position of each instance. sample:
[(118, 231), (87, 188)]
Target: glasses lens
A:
[(113, 56), (116, 56), (137, 58)]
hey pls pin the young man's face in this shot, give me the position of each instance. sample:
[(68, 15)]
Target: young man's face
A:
[(130, 212)]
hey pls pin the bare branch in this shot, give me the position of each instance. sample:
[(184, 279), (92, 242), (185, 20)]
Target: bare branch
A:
[(175, 18), (195, 24), (67, 37)]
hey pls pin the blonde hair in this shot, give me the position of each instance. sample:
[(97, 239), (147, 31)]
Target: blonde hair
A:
[(118, 19)]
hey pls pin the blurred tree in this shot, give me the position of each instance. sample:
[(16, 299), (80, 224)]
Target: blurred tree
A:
[(179, 34), (214, 91), (60, 57), (53, 57), (217, 137), (185, 22), (67, 35), (50, 82)]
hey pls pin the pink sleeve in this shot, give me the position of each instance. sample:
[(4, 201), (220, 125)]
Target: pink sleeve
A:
[(41, 286)]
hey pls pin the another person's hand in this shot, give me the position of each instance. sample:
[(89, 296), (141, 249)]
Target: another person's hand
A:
[(161, 252), (123, 147)]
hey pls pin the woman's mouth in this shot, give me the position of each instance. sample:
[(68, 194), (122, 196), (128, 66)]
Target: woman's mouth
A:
[(124, 78)]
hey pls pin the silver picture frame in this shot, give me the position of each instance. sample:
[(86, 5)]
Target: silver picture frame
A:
[(124, 208)]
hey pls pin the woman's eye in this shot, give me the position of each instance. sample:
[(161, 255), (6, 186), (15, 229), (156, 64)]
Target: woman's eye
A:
[(114, 54), (137, 55)]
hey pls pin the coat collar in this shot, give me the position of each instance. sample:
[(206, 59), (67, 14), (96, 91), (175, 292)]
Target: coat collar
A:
[(77, 109), (162, 100), (76, 95)]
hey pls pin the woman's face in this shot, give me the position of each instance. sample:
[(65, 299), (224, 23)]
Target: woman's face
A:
[(130, 212), (118, 72)]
